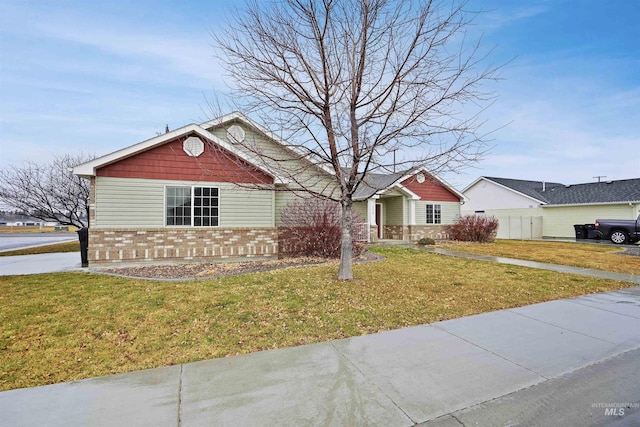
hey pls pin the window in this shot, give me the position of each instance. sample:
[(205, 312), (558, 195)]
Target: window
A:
[(434, 214), (178, 205), (205, 207), (193, 206)]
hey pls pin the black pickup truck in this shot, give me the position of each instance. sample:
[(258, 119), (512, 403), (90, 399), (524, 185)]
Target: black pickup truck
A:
[(619, 231)]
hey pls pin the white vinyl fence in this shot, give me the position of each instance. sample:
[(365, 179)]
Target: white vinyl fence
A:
[(519, 227)]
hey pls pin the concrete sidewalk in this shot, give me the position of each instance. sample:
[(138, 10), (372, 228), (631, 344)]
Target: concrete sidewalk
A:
[(438, 374), (38, 264)]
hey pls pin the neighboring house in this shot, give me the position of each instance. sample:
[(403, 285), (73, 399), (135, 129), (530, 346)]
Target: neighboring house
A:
[(195, 193), (534, 209)]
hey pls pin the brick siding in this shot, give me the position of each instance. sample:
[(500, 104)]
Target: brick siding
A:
[(413, 232), (436, 232), (135, 245), (394, 232)]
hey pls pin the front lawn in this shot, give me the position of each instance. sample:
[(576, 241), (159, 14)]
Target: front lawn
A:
[(69, 326), (605, 257)]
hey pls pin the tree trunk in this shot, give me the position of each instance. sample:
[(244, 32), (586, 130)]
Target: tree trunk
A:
[(346, 253)]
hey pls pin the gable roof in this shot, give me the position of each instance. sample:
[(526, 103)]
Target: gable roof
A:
[(621, 191), (89, 168), (532, 189), (375, 183)]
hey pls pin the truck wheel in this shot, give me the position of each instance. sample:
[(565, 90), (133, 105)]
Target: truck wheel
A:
[(619, 237)]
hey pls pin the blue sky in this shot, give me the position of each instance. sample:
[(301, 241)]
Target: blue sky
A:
[(99, 76)]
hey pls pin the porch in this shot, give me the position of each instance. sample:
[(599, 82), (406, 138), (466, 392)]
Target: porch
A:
[(392, 217)]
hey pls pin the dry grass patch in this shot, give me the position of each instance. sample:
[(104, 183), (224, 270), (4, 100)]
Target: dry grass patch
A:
[(30, 229), (68, 326), (606, 258)]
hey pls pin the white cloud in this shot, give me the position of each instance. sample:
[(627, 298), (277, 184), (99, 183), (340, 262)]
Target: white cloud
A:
[(511, 13), (188, 56)]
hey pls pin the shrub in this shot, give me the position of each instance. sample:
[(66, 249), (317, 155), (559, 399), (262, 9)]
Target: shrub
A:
[(426, 241), (474, 228), (311, 227)]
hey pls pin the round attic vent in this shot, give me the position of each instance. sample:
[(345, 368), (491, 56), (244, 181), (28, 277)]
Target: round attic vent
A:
[(193, 146), (420, 178), (235, 134)]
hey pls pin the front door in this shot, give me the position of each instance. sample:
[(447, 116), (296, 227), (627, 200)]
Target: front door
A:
[(379, 219)]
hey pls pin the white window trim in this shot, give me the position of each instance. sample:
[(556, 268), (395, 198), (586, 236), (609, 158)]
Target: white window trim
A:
[(434, 213), (192, 206)]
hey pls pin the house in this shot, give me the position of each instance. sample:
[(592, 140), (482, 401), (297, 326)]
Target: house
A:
[(535, 209), (197, 193)]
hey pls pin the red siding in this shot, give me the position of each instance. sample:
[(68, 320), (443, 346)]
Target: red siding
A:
[(430, 190), (169, 161)]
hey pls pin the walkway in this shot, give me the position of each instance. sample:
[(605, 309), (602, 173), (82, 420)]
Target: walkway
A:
[(622, 277), (631, 278)]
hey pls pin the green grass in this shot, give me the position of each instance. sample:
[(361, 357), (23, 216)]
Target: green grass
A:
[(69, 326), (47, 249), (606, 258)]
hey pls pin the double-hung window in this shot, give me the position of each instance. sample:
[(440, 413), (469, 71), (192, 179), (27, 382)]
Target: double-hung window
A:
[(434, 214), (192, 206)]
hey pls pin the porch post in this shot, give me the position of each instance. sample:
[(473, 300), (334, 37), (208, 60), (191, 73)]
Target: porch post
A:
[(371, 211), (412, 212), (371, 217)]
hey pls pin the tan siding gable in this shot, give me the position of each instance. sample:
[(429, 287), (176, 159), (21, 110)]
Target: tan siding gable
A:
[(260, 145)]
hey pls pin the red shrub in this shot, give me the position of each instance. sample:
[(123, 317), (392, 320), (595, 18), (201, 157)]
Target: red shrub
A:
[(311, 227), (474, 228)]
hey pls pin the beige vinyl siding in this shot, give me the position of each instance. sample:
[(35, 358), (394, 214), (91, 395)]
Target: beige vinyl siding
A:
[(394, 212), (284, 199), (450, 211), (128, 203), (361, 209), (559, 221), (140, 203), (240, 207)]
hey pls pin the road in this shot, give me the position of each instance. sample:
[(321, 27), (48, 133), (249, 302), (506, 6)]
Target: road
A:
[(12, 241), (603, 394)]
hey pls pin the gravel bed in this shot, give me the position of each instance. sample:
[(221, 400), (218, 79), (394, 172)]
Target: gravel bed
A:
[(182, 271)]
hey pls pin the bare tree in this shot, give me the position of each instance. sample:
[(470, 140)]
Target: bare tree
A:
[(50, 192), (353, 83)]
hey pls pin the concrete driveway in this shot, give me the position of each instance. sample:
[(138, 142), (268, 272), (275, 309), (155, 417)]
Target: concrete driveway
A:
[(37, 264)]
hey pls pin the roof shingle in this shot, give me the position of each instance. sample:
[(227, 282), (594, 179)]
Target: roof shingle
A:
[(625, 190)]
